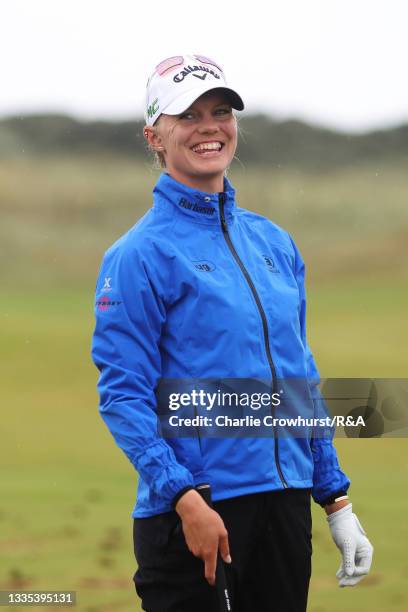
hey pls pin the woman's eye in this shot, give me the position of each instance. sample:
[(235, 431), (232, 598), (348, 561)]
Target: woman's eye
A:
[(219, 111), (223, 111)]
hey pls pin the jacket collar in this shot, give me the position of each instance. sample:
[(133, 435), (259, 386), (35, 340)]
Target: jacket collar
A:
[(197, 205)]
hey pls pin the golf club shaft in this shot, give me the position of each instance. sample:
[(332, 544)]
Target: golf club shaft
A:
[(220, 578)]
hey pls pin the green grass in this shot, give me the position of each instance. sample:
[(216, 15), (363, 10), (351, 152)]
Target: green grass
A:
[(67, 491), (60, 215)]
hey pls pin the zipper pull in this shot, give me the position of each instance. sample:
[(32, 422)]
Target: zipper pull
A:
[(221, 201)]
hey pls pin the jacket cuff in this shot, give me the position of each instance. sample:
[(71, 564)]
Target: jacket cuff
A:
[(179, 495), (332, 498)]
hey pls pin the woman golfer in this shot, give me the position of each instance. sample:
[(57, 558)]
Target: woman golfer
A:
[(202, 289)]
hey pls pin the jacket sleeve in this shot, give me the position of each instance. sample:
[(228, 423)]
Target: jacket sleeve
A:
[(328, 478), (129, 316)]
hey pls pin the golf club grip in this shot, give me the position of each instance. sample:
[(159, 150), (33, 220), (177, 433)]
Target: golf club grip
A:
[(220, 577)]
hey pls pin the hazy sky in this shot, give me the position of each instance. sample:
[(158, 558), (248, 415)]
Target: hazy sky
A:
[(341, 63)]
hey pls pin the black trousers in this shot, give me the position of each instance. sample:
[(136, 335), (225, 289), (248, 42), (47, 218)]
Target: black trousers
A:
[(270, 544)]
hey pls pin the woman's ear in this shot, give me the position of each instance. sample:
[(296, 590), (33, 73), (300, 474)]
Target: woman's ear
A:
[(153, 138)]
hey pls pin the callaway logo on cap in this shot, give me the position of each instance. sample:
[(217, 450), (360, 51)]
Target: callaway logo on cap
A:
[(178, 81)]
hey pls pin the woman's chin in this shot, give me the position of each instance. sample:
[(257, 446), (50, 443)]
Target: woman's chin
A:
[(211, 164)]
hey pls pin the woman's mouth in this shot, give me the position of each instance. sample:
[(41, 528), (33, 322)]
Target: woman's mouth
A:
[(208, 149)]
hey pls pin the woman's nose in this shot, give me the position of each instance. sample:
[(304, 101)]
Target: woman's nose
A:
[(208, 125)]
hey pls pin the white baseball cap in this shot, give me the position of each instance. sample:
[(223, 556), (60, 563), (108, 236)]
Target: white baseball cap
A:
[(178, 81)]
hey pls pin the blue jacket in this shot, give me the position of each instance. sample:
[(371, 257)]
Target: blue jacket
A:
[(200, 288)]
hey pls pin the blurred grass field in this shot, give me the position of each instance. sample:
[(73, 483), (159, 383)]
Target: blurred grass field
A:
[(66, 490)]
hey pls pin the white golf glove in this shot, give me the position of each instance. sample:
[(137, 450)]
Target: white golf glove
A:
[(350, 538)]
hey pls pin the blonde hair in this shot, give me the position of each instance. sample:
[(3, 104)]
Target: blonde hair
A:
[(159, 161)]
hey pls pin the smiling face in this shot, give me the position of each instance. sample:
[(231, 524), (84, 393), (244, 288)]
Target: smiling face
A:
[(199, 144)]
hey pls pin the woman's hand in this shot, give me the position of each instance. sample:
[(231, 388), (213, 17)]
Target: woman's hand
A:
[(350, 538), (204, 531)]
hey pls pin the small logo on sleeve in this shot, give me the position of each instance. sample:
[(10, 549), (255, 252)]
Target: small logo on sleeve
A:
[(104, 303), (107, 284), (270, 264)]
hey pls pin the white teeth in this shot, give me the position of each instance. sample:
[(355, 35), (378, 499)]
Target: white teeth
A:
[(207, 146)]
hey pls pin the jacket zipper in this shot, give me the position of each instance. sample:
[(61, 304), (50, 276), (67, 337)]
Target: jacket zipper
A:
[(221, 200)]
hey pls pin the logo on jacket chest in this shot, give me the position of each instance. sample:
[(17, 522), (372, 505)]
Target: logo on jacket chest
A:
[(270, 264), (204, 265)]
